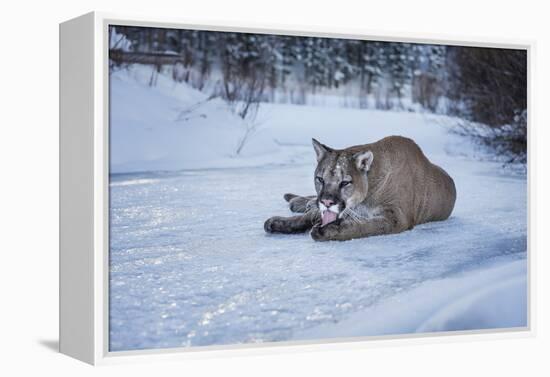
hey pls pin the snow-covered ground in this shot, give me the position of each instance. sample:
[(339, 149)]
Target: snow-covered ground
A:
[(191, 264)]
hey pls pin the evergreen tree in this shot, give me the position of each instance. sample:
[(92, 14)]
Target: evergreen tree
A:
[(400, 61)]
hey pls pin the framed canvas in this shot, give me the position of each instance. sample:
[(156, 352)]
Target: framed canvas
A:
[(248, 188)]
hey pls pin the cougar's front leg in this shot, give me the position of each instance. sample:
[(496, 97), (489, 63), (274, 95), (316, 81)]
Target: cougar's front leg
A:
[(390, 221), (294, 224)]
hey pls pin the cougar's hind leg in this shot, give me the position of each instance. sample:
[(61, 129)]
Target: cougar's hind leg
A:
[(299, 203), (288, 196), (311, 204)]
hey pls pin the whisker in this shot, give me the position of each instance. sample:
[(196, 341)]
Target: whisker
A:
[(353, 216)]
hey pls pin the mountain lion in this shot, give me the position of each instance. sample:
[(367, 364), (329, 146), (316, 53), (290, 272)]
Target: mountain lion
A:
[(381, 188)]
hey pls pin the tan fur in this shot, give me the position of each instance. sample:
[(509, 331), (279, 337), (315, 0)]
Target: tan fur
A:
[(393, 188)]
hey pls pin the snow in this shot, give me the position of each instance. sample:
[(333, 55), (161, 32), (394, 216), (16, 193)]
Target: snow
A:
[(493, 297), (192, 266), (119, 41), (158, 128)]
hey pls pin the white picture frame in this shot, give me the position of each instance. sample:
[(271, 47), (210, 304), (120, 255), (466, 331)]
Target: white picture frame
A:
[(84, 201)]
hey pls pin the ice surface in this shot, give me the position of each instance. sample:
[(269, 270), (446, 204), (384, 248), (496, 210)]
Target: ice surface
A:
[(192, 266)]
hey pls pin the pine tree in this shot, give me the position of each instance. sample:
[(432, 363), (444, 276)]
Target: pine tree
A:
[(399, 63)]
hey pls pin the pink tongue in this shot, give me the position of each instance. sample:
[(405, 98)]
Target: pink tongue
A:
[(328, 217)]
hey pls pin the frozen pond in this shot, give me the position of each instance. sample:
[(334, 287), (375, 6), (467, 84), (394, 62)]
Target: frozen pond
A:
[(191, 264)]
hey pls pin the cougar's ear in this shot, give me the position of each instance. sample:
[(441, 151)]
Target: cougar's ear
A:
[(363, 160), (320, 149)]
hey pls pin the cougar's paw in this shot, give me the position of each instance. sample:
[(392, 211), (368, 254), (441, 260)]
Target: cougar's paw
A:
[(325, 233), (276, 224)]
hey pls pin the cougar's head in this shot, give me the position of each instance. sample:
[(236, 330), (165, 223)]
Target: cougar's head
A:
[(340, 180)]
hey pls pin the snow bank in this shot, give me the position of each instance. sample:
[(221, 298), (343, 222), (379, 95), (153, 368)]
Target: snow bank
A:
[(171, 126), (168, 126), (486, 298)]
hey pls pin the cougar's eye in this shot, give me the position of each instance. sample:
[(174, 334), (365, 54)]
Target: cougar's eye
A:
[(344, 183), (320, 180)]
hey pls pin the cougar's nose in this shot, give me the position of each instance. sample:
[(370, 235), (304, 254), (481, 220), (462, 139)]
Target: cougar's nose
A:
[(327, 202)]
